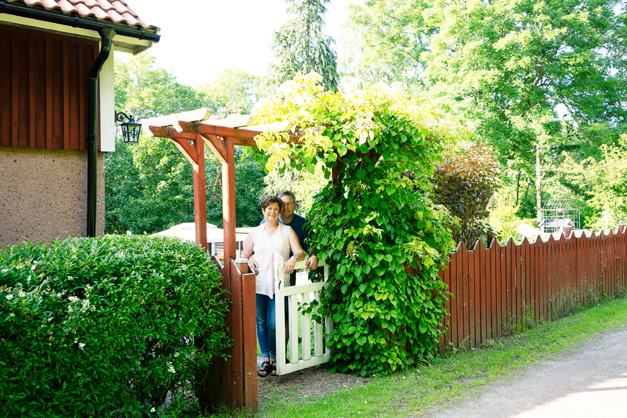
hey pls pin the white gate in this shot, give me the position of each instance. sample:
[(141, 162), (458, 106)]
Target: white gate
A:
[(304, 294)]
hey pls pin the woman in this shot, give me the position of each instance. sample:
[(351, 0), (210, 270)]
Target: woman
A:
[(264, 241)]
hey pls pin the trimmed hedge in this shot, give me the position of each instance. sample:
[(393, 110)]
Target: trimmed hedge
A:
[(106, 326)]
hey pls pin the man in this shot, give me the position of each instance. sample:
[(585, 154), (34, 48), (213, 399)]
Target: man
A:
[(296, 222)]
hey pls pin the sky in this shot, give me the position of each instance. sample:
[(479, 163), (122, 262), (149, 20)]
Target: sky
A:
[(201, 37)]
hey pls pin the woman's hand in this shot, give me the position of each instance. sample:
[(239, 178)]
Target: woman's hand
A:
[(289, 266), (253, 263)]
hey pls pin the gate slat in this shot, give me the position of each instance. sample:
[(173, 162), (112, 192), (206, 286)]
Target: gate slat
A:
[(306, 328)]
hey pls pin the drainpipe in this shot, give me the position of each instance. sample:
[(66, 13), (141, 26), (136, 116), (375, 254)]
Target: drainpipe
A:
[(92, 130)]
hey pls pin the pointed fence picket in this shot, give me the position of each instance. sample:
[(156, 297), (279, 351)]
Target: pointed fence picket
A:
[(494, 290), (299, 296)]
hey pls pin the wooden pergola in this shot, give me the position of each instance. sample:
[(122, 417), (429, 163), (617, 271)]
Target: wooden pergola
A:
[(191, 132)]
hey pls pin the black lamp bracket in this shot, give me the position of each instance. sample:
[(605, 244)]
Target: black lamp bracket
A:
[(121, 116)]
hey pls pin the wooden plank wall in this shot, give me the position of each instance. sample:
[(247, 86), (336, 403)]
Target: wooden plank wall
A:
[(494, 290), (43, 89)]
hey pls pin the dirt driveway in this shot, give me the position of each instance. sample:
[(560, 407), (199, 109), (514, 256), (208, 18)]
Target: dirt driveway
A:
[(590, 382)]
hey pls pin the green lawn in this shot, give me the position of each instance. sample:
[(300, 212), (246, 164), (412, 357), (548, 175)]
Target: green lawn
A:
[(451, 379)]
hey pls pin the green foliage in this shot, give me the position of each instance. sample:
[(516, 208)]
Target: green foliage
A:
[(505, 220), (149, 185), (232, 91), (604, 182), (303, 184), (146, 92), (508, 64), (511, 69), (301, 47), (149, 188), (385, 240), (249, 189), (106, 326), (464, 183), (391, 36)]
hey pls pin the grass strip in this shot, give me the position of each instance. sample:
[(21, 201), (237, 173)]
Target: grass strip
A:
[(450, 380)]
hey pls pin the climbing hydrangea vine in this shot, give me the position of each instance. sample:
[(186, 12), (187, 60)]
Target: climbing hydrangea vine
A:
[(383, 237)]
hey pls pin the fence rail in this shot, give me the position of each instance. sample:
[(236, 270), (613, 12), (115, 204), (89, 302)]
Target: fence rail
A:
[(493, 290)]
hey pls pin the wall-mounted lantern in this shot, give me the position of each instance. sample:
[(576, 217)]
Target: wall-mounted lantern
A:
[(130, 129)]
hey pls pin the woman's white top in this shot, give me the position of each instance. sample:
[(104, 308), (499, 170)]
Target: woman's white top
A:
[(264, 247)]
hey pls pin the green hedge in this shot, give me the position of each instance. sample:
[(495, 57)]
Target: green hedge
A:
[(106, 326)]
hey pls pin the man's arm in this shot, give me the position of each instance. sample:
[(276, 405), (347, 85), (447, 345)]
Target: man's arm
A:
[(312, 261)]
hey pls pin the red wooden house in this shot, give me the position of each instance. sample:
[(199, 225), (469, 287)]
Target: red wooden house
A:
[(57, 112)]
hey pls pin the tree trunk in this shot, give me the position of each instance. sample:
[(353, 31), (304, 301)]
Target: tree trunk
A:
[(517, 187), (538, 184)]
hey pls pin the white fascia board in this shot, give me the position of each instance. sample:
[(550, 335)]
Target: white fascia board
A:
[(107, 106), (120, 43)]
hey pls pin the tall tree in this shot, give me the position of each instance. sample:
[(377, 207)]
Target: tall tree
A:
[(386, 40), (511, 64), (232, 91), (301, 47), (145, 91), (148, 186), (514, 67)]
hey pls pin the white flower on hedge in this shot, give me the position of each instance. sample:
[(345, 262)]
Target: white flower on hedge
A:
[(170, 367), (153, 409), (73, 299), (21, 294), (176, 354), (4, 270), (81, 345), (9, 297)]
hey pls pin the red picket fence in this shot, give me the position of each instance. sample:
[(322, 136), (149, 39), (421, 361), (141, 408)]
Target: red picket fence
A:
[(494, 290)]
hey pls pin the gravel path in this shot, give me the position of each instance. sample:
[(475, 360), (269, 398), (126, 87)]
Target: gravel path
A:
[(591, 382)]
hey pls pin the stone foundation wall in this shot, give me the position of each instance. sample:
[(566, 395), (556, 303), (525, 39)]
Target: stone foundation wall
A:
[(43, 194)]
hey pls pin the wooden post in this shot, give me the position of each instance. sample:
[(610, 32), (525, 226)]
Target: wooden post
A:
[(568, 230), (232, 381), (200, 194), (249, 333), (491, 237), (621, 227)]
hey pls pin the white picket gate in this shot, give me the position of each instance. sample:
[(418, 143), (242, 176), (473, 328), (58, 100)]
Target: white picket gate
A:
[(303, 294)]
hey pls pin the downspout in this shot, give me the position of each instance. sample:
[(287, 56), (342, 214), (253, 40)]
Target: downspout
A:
[(106, 35)]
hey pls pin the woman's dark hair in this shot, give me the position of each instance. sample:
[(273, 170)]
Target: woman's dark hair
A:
[(268, 200)]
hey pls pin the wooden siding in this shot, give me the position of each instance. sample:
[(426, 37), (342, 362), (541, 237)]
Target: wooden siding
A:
[(495, 290), (43, 89)]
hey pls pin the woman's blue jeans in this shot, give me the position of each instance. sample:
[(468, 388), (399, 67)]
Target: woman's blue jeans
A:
[(266, 325)]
